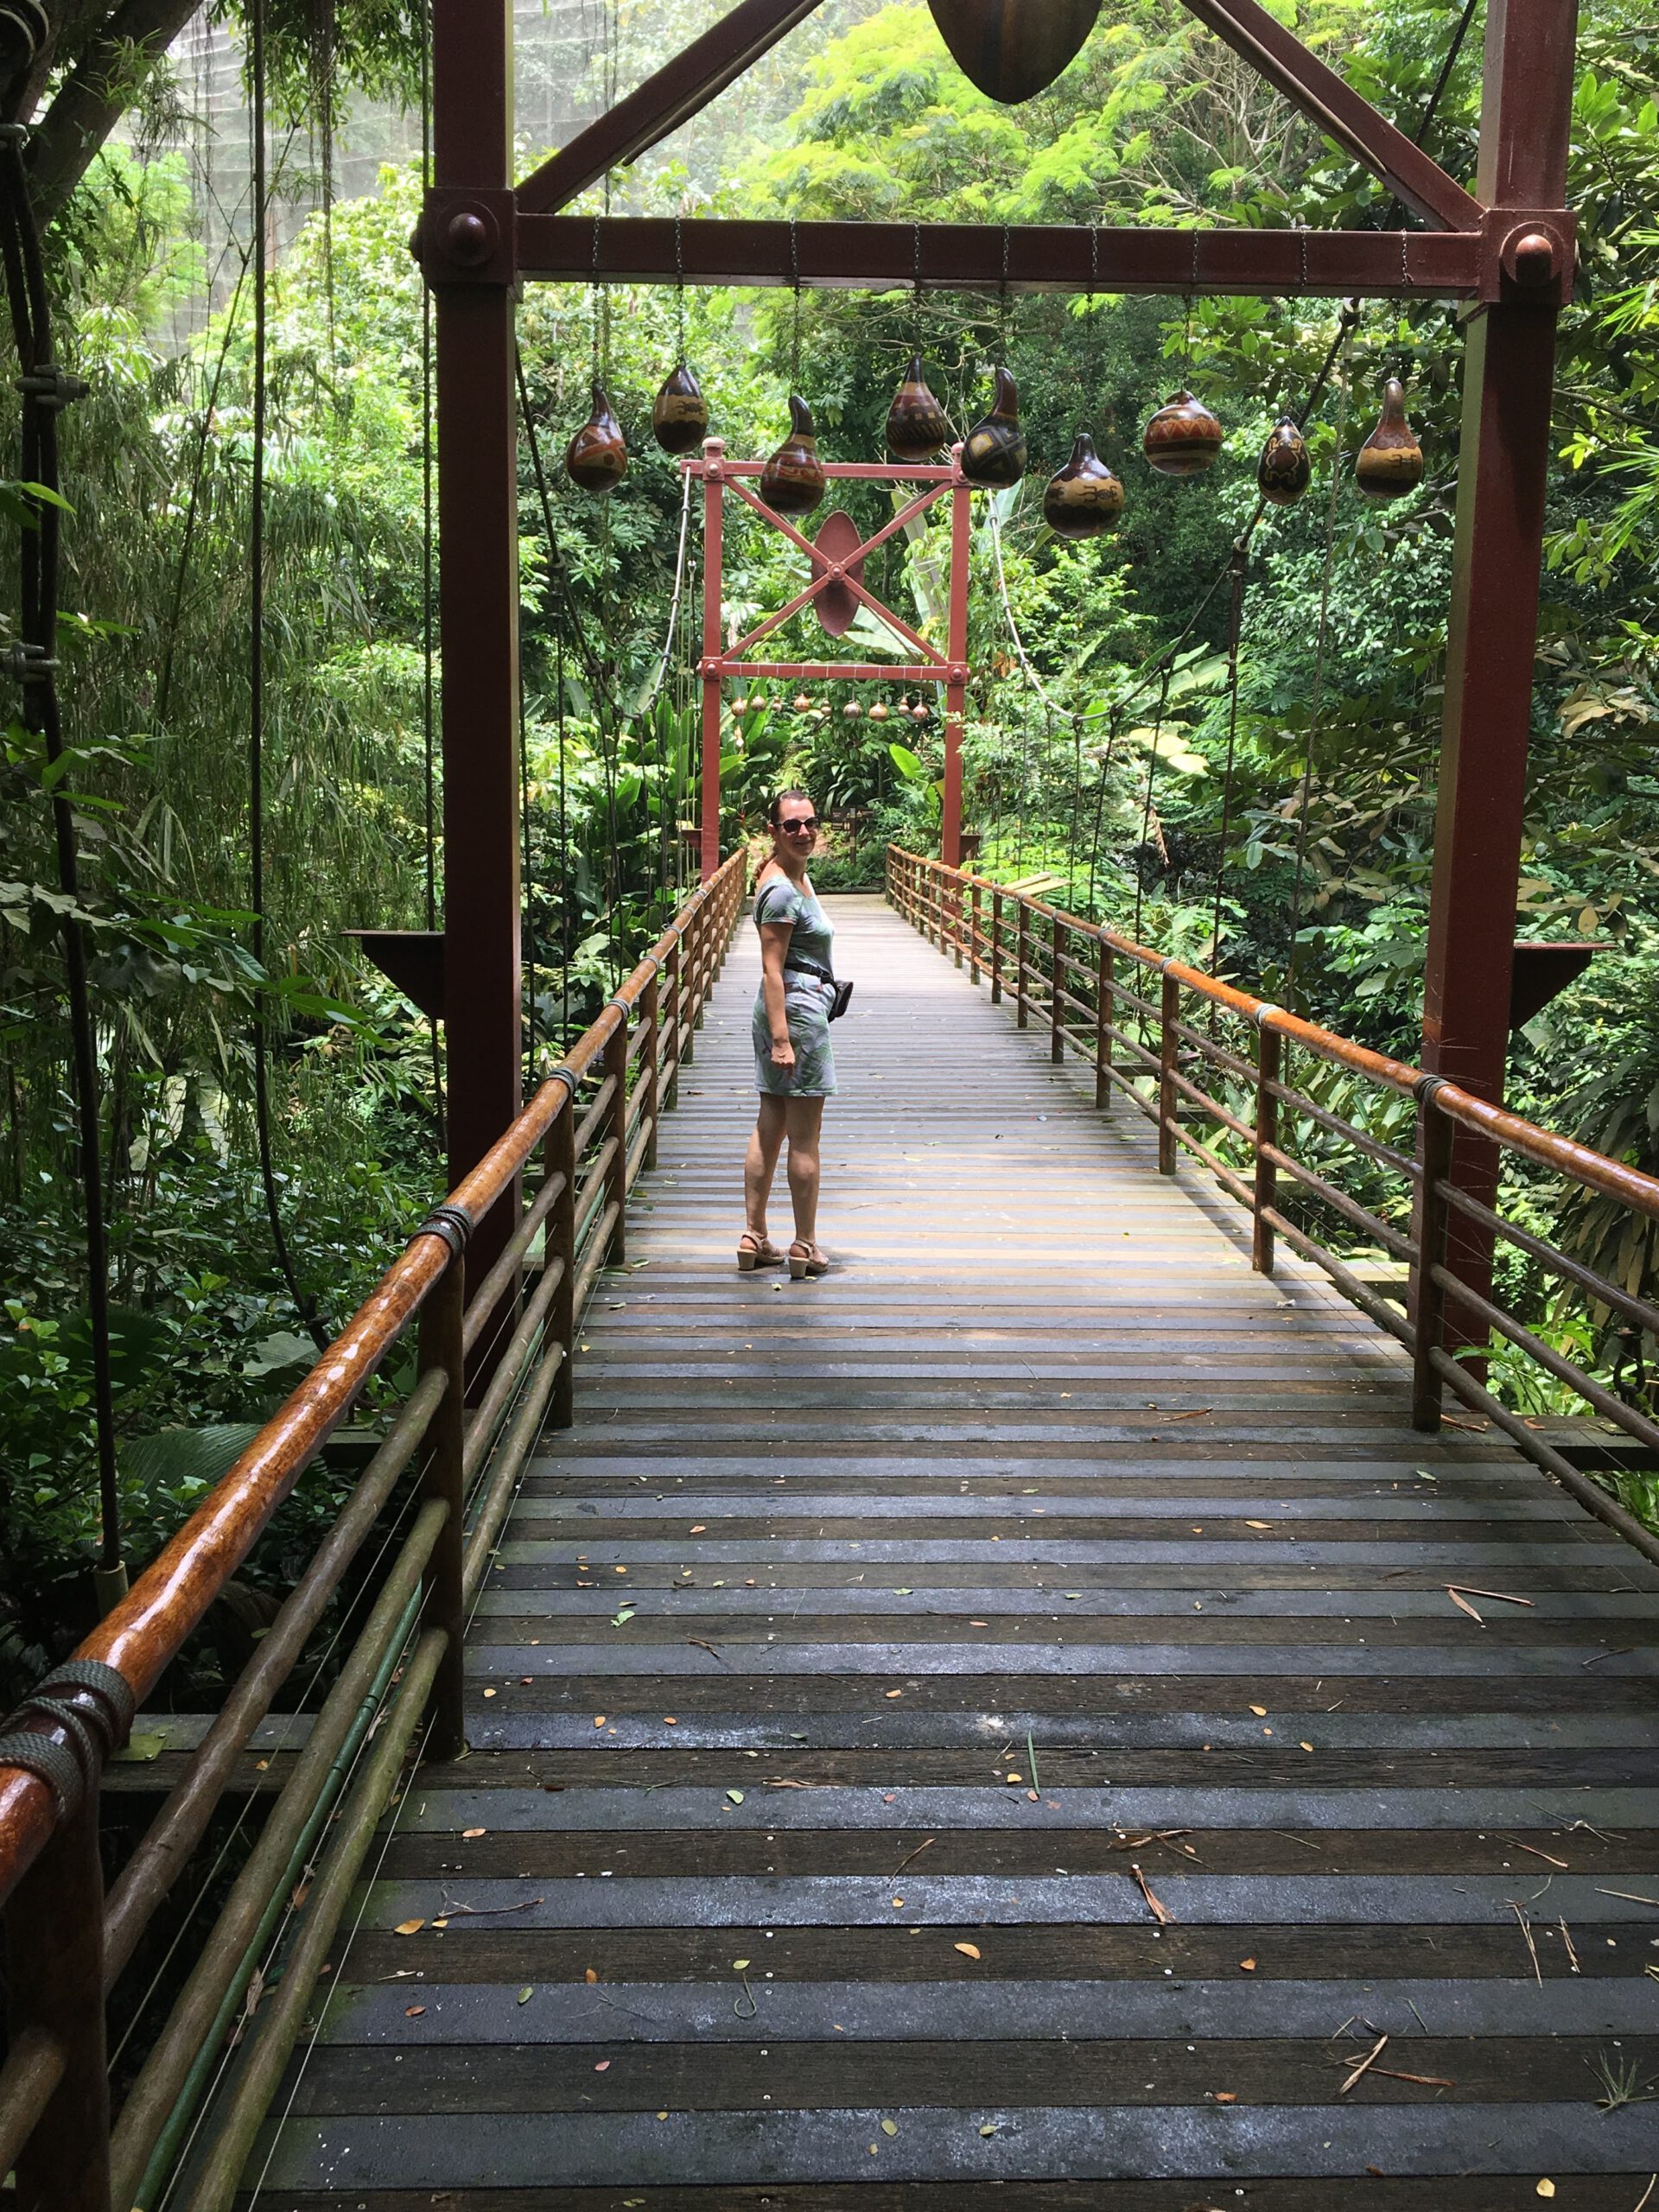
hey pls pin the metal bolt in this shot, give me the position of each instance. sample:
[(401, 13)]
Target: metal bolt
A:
[(470, 238)]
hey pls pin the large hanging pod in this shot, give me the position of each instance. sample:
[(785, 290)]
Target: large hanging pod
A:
[(1286, 468), (993, 452), (917, 429), (792, 481), (1085, 498), (1390, 463), (1012, 50), (597, 457), (679, 414), (1183, 438)]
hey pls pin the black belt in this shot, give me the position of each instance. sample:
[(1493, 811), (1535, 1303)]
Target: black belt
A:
[(809, 967)]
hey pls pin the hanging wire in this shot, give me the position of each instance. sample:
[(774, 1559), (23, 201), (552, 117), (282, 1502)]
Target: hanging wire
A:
[(428, 626), (45, 390), (795, 310), (304, 1305), (1145, 810), (1317, 709), (1241, 559)]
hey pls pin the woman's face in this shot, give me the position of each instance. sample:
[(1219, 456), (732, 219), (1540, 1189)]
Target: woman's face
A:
[(796, 832)]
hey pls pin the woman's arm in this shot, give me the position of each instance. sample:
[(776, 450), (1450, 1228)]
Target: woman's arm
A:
[(774, 950)]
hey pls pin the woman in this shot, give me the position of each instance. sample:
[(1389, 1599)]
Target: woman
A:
[(794, 1063)]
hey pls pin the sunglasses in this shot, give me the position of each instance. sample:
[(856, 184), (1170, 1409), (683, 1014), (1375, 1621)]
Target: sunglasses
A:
[(805, 825)]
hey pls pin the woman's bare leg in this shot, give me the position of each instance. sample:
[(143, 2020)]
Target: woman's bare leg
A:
[(803, 1118), (761, 1163)]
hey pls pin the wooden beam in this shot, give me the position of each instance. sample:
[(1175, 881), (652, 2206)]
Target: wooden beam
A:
[(970, 257), (1279, 56), (672, 96)]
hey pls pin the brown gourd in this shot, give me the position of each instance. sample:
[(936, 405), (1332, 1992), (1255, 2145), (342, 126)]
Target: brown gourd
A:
[(596, 459), (1085, 498), (1286, 468), (792, 481), (1390, 463), (679, 414), (993, 452), (917, 429), (1012, 50), (1183, 438)]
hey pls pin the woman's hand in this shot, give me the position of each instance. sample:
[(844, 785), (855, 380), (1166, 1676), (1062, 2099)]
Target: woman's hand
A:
[(783, 1054)]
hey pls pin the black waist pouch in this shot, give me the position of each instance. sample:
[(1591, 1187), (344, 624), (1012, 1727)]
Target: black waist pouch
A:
[(843, 992)]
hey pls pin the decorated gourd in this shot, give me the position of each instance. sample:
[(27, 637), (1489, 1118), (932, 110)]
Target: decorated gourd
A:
[(1012, 50), (792, 481), (851, 710), (878, 711), (916, 425), (596, 459), (993, 452), (1286, 470), (1390, 463), (679, 414), (1085, 498), (1183, 438)]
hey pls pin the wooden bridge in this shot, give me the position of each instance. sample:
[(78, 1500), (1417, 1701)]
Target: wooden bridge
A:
[(1023, 1722)]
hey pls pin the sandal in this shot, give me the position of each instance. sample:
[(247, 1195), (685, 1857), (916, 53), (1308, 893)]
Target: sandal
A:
[(756, 1249), (805, 1260)]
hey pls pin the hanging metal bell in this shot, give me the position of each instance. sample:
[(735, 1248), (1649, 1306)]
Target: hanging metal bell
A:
[(1183, 438), (1085, 498), (1390, 463), (1014, 48), (792, 481), (993, 452), (851, 710), (878, 711), (679, 414), (597, 457), (920, 711), (803, 704), (917, 430), (1286, 468)]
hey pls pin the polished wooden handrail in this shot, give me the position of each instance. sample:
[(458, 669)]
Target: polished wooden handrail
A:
[(469, 1462), (1039, 966)]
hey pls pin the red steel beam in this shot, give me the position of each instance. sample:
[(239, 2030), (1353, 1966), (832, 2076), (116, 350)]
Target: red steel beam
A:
[(1502, 462), (963, 257), (662, 102), (1279, 56)]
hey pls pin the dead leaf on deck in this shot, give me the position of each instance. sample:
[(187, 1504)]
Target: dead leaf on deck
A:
[(968, 1950), (409, 1928)]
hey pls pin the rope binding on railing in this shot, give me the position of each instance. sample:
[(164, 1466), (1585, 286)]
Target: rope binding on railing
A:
[(452, 1224), (94, 1706)]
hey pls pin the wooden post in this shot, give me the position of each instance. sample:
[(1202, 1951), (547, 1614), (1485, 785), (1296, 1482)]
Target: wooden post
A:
[(1168, 1043), (671, 1008), (561, 1252), (1021, 957), (54, 1984), (616, 1126), (1104, 1009), (959, 917), (1434, 1152), (444, 1604), (477, 591), (1055, 1005), (997, 947), (973, 932), (1267, 1049), (650, 1058), (1502, 465)]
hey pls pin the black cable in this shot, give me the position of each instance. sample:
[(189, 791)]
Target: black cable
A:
[(44, 390), (304, 1305), (1241, 561), (428, 657)]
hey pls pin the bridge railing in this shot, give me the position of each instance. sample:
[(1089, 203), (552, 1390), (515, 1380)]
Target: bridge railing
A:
[(432, 1501), (1125, 1011)]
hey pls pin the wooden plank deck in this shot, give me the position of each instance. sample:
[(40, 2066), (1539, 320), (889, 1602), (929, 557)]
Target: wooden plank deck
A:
[(759, 1899)]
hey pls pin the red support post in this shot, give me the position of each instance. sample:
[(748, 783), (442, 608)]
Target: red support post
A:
[(1508, 376), (468, 257), (714, 493), (955, 689)]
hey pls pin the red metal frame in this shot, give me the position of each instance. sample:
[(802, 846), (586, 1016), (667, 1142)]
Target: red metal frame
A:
[(722, 661), (1509, 250)]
